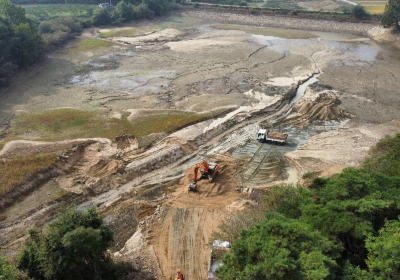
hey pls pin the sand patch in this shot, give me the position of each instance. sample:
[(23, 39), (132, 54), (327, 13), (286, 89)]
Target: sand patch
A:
[(199, 44), (284, 81), (346, 146), (163, 35)]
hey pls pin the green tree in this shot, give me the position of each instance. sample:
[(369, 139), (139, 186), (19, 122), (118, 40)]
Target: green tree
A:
[(7, 272), (383, 261), (280, 248), (72, 247), (15, 15), (360, 12), (385, 156), (158, 6), (125, 11), (142, 11), (384, 252), (20, 42), (102, 17), (8, 64), (391, 15), (28, 45)]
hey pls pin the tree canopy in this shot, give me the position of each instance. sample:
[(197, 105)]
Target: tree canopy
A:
[(20, 42), (280, 248), (360, 12), (391, 15), (72, 247)]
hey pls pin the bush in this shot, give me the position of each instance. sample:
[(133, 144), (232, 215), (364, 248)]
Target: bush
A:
[(46, 27), (72, 24), (142, 11), (124, 12), (72, 247), (360, 12), (101, 17), (7, 272), (280, 248), (158, 6)]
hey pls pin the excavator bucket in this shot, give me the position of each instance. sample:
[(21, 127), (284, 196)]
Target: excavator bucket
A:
[(193, 187)]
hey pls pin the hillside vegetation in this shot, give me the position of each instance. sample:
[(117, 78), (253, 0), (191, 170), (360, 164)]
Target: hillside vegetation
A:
[(25, 33)]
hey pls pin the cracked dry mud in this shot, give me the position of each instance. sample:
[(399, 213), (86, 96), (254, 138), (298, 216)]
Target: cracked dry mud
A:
[(199, 62)]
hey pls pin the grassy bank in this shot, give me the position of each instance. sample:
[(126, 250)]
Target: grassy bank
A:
[(18, 169), (64, 124), (85, 45)]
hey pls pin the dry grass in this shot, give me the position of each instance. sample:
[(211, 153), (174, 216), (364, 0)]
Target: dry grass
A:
[(165, 122), (375, 10), (373, 6), (65, 124), (16, 170)]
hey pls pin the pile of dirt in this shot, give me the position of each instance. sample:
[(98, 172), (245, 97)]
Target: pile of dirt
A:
[(91, 171), (323, 106)]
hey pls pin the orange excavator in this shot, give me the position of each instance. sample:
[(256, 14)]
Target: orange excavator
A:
[(207, 169)]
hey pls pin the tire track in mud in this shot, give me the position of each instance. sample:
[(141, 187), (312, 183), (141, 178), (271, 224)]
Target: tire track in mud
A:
[(180, 242), (256, 161)]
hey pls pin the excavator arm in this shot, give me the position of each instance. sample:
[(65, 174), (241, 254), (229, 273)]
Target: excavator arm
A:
[(196, 169), (203, 166)]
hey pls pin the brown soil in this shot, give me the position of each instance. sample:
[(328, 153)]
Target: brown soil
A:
[(323, 105), (181, 234)]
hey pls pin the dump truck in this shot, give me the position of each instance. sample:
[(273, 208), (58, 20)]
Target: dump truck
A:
[(264, 135)]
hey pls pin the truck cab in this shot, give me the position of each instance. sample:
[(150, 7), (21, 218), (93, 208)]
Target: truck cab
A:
[(262, 135)]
